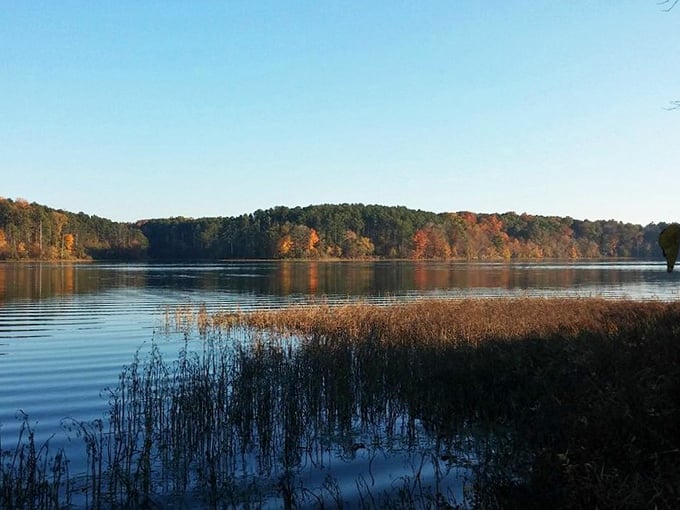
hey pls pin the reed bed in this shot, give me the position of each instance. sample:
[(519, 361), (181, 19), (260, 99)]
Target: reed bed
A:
[(444, 322), (589, 386), (31, 476), (537, 402)]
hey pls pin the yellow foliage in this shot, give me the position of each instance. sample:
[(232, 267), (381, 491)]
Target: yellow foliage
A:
[(4, 245), (284, 245), (574, 252)]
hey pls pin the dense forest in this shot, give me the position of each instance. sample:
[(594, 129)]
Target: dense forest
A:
[(33, 231)]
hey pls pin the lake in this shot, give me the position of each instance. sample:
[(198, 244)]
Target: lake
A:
[(66, 330)]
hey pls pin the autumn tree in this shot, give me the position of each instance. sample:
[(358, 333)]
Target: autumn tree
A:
[(420, 242), (356, 246), (296, 241), (492, 228), (284, 246), (69, 244), (312, 242), (4, 245), (430, 242)]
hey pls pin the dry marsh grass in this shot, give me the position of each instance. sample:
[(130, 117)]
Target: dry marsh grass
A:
[(563, 403), (590, 386), (446, 322)]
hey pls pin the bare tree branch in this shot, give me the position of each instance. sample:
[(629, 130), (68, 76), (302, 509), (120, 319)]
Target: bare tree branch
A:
[(669, 3)]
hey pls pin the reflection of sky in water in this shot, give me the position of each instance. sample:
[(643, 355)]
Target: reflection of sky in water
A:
[(371, 470)]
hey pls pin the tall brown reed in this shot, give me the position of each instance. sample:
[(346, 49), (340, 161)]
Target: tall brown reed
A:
[(561, 403), (30, 476)]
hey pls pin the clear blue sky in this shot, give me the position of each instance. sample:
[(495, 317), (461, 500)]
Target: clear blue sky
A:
[(141, 109)]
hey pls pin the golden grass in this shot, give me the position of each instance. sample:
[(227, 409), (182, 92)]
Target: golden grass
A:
[(591, 385), (446, 322), (564, 403)]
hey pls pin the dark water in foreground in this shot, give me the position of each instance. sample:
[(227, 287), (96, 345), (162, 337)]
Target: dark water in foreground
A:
[(66, 330)]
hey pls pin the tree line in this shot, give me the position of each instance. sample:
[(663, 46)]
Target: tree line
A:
[(34, 231), (354, 231), (370, 231)]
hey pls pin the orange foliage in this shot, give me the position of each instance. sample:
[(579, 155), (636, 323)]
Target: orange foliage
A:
[(492, 223), (69, 243), (4, 245), (356, 246), (469, 217), (313, 240), (431, 242), (419, 244), (284, 245)]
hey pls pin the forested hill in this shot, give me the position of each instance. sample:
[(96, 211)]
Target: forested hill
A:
[(356, 231), (319, 231), (34, 231)]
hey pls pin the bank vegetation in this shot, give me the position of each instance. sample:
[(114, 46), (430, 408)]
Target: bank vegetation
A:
[(343, 231)]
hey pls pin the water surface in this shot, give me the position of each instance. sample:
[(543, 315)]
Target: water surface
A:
[(66, 330)]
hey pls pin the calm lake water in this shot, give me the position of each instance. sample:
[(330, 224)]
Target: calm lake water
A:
[(66, 330)]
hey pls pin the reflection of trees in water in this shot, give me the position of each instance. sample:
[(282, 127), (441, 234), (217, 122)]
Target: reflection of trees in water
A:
[(46, 280), (284, 278)]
